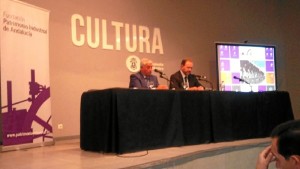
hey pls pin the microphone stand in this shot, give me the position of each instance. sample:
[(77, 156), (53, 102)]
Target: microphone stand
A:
[(242, 80), (245, 81), (205, 80), (164, 77)]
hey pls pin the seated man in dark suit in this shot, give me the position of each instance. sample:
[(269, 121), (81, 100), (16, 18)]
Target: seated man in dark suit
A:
[(144, 79), (183, 79)]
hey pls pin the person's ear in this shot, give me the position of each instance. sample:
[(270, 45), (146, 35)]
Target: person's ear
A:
[(296, 160)]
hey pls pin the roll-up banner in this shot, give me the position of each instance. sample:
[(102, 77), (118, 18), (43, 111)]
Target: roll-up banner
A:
[(25, 117)]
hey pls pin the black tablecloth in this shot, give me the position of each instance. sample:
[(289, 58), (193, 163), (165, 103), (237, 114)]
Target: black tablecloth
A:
[(126, 120)]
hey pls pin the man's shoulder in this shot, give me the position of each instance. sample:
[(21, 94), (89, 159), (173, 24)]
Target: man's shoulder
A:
[(176, 74), (138, 75), (192, 76), (153, 76)]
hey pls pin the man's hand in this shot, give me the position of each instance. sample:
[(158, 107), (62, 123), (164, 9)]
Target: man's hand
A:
[(162, 87), (265, 158), (200, 88), (196, 88)]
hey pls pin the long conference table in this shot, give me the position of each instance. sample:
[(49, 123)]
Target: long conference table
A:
[(119, 120)]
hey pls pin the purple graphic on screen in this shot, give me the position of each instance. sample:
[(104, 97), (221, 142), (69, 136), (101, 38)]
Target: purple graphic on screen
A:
[(227, 88), (269, 53), (234, 52), (224, 51), (262, 88), (224, 65), (235, 81), (269, 66), (17, 123)]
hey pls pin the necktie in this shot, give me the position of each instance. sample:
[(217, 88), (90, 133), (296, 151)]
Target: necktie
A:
[(186, 81)]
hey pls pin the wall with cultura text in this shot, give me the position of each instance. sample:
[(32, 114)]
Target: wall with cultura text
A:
[(92, 43)]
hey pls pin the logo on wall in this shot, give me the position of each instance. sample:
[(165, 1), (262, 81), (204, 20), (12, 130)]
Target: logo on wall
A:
[(133, 63)]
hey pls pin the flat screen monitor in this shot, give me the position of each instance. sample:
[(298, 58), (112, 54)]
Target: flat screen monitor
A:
[(246, 67)]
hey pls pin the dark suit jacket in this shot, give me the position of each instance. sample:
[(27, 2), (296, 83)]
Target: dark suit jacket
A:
[(176, 81), (138, 81)]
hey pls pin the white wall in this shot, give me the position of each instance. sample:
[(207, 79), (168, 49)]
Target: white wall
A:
[(188, 28)]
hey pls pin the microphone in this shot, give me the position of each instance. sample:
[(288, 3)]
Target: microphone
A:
[(159, 71), (240, 79), (201, 76)]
